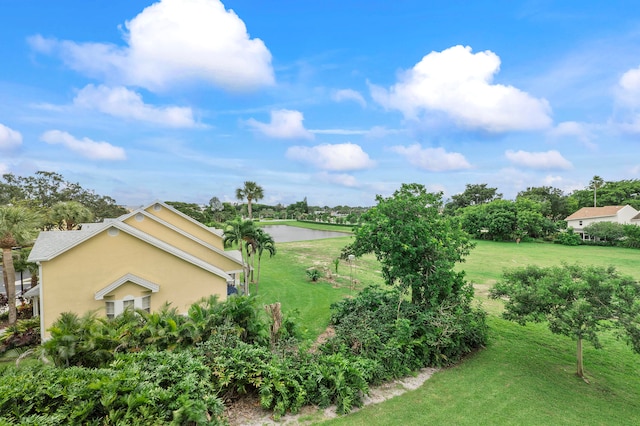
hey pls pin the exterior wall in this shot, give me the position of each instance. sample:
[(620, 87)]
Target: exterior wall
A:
[(69, 281), (626, 214), (188, 225), (183, 243)]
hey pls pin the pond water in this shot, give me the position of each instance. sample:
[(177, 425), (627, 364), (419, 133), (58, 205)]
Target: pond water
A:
[(287, 234)]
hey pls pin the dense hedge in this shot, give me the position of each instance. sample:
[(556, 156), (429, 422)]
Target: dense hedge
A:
[(164, 368), (401, 337)]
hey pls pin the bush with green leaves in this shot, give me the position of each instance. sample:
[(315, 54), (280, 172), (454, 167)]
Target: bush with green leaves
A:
[(568, 238), (148, 387), (401, 337), (24, 333), (313, 274), (92, 341)]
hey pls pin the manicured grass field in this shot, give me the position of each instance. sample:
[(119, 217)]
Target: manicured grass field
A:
[(525, 376)]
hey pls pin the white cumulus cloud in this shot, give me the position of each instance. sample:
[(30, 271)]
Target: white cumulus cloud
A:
[(174, 42), (285, 124), (336, 157), (432, 159), (125, 103), (458, 83), (538, 160), (9, 138), (85, 147), (341, 179), (349, 95)]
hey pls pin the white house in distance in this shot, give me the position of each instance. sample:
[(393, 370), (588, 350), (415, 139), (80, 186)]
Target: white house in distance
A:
[(625, 215)]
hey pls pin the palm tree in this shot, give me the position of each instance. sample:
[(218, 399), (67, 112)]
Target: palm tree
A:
[(263, 241), (251, 191), (242, 233), (18, 226), (69, 214), (596, 182)]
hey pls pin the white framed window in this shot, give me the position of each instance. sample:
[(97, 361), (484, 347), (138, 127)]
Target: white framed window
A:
[(114, 308), (128, 304), (110, 309), (146, 303)]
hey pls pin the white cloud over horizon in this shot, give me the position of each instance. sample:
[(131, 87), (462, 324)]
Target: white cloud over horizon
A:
[(125, 103), (549, 160), (336, 157), (432, 159), (85, 147), (173, 42), (341, 179), (284, 124), (459, 83), (9, 138)]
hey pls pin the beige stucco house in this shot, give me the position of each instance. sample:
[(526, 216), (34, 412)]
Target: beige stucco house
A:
[(625, 215), (144, 259)]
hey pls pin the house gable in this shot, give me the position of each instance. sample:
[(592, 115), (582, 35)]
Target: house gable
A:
[(184, 241), (127, 279), (186, 223)]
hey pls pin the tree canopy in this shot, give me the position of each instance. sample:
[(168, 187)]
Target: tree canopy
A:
[(577, 301), (45, 189), (416, 245)]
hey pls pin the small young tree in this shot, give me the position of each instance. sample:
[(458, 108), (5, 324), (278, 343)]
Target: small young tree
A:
[(577, 301)]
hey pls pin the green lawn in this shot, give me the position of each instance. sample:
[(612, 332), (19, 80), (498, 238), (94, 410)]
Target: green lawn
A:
[(525, 376)]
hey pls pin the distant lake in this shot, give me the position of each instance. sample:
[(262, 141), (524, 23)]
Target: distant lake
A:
[(287, 234)]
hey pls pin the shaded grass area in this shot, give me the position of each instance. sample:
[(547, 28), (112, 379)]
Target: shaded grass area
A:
[(524, 377)]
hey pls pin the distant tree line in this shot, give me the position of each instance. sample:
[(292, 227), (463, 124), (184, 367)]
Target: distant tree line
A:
[(539, 212), (42, 191)]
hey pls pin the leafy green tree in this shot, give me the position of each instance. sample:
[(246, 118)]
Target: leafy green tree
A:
[(473, 195), (45, 189), (252, 192), (67, 215), (577, 301), (555, 204), (610, 232), (632, 236), (263, 242), (416, 245), (18, 226), (610, 193)]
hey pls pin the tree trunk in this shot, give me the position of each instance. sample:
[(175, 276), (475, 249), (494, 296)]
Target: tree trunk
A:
[(9, 275), (580, 369), (258, 274)]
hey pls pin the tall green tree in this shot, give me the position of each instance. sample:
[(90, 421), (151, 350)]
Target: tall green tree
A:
[(18, 227), (473, 195), (416, 245), (241, 233), (263, 242), (596, 183), (252, 192), (576, 301), (68, 215), (555, 204)]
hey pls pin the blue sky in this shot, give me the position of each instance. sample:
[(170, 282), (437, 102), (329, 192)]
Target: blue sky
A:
[(336, 101)]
